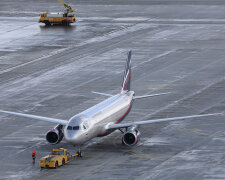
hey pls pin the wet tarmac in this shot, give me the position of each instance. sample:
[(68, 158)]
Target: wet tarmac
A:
[(178, 47)]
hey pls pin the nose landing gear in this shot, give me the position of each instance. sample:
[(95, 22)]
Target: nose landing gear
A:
[(80, 154)]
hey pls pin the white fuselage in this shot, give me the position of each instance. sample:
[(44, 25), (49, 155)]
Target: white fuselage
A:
[(93, 122)]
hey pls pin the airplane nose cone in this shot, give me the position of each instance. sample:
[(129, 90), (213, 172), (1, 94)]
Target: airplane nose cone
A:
[(73, 138)]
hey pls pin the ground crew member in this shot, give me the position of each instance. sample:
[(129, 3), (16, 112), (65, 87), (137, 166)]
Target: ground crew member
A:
[(34, 156)]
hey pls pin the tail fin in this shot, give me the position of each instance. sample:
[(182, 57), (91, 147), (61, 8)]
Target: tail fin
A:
[(127, 74)]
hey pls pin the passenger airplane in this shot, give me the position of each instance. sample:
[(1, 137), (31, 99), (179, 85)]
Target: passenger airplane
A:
[(103, 118)]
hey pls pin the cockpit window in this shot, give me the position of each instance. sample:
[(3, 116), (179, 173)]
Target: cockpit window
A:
[(84, 127), (76, 128), (73, 128)]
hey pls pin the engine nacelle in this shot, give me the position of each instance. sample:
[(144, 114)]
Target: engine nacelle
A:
[(55, 135), (131, 137)]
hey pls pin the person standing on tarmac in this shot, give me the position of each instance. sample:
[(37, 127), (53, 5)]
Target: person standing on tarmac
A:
[(34, 156)]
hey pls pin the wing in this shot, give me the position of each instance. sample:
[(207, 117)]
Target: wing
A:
[(103, 94), (57, 121), (151, 95), (117, 126)]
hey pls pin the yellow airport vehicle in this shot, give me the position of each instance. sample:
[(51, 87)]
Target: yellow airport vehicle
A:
[(64, 18), (57, 157)]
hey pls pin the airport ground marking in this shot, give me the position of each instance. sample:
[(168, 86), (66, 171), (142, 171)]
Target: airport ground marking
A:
[(194, 130), (139, 155)]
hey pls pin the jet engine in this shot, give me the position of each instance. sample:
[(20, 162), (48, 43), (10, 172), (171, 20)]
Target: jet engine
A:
[(131, 137), (55, 135)]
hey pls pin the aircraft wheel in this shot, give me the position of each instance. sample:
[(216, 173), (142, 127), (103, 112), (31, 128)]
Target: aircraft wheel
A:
[(47, 23), (56, 164), (80, 154), (65, 23), (63, 162)]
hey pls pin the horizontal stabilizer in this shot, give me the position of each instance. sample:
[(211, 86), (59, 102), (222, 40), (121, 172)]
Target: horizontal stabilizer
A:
[(125, 125), (150, 95), (103, 94), (57, 121)]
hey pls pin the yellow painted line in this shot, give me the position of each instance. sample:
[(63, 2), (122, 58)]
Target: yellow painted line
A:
[(139, 155), (216, 163), (128, 152), (210, 124), (116, 170), (194, 130), (159, 86)]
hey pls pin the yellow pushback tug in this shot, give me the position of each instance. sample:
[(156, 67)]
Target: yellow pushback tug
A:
[(64, 18), (57, 157)]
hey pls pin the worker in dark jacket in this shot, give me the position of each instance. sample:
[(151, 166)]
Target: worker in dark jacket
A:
[(34, 155)]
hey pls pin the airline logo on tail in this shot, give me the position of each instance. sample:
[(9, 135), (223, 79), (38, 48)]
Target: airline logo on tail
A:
[(127, 74)]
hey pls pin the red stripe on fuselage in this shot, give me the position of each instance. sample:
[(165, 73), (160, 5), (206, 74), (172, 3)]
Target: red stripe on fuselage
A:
[(124, 114), (106, 133)]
